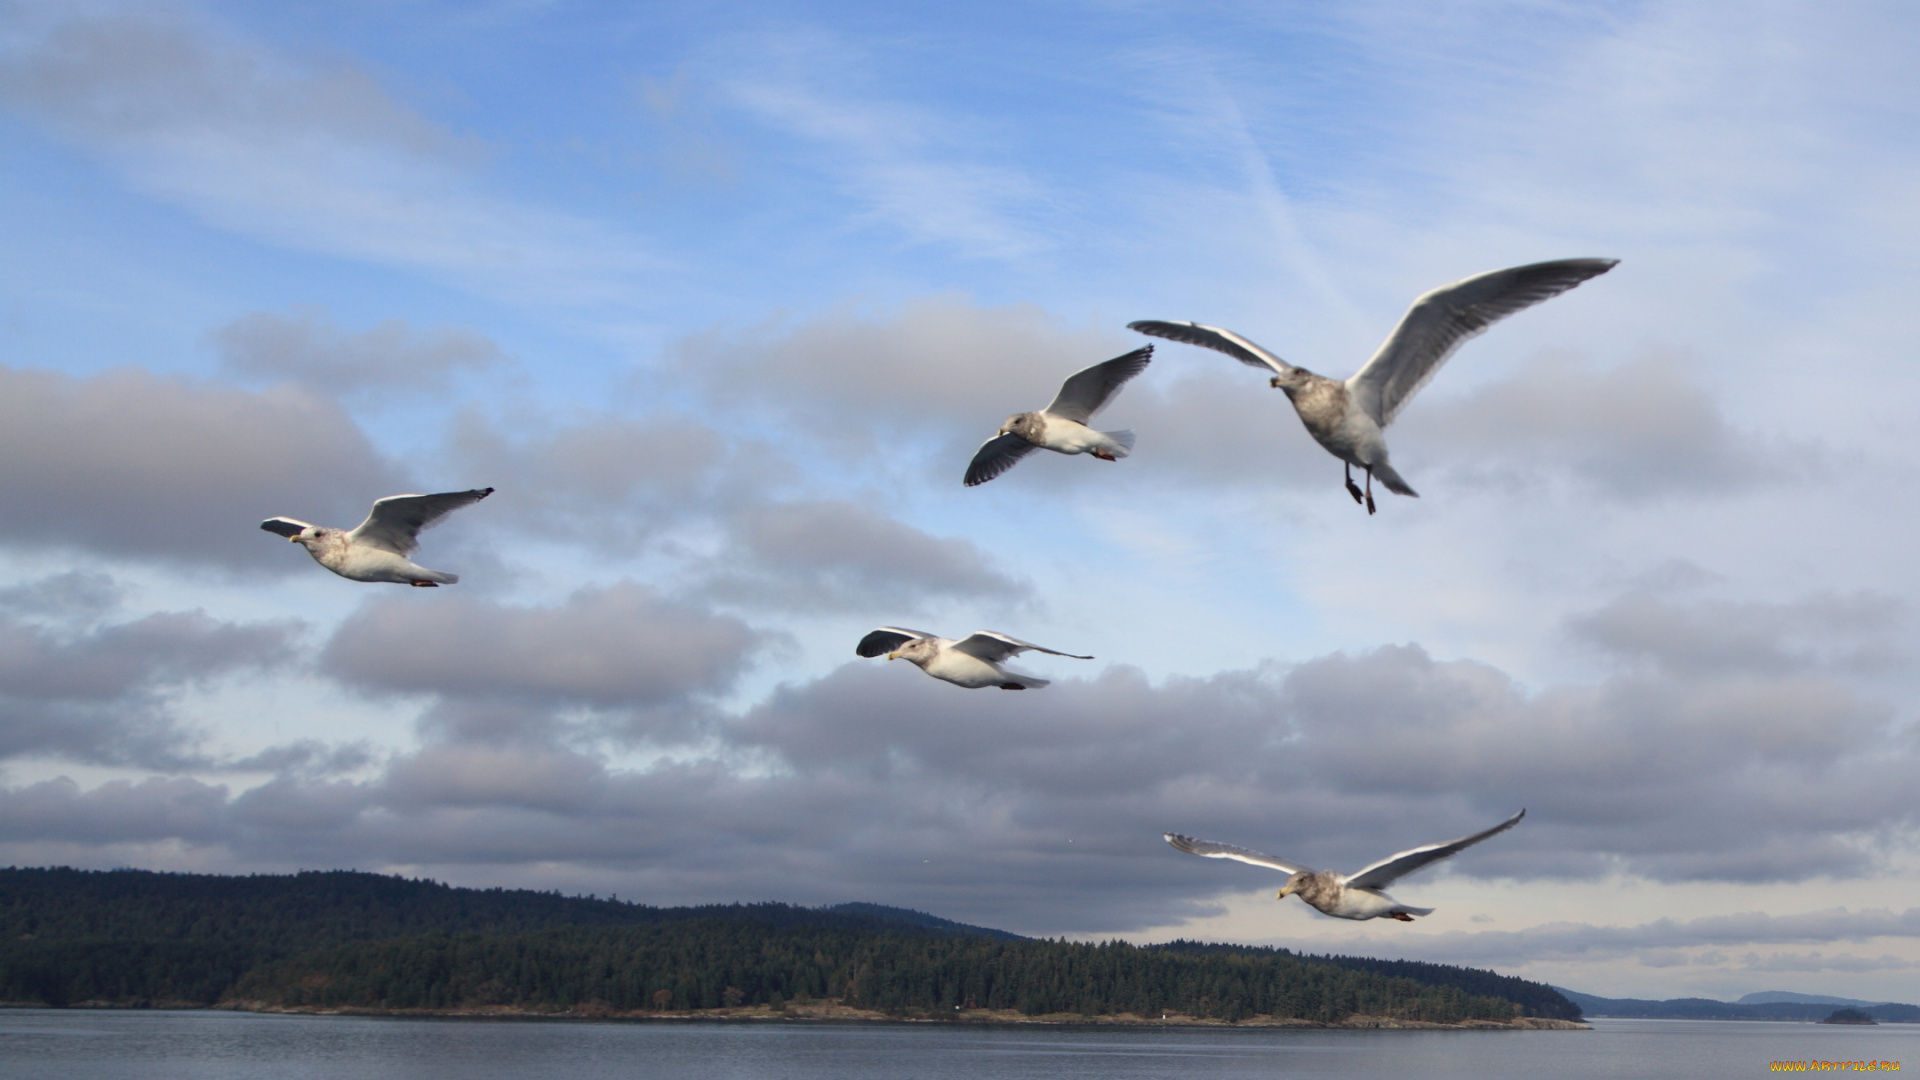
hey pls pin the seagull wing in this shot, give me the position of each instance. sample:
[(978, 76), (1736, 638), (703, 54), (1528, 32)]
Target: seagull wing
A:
[(1087, 392), (1212, 337), (886, 639), (396, 520), (993, 648), (285, 526), (1442, 320), (996, 456), (1388, 870), (1212, 850)]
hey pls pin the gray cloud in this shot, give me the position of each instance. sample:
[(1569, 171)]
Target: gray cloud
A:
[(1712, 637), (810, 555), (74, 596), (1641, 430), (98, 692), (118, 811), (670, 484), (1043, 811), (617, 646), (613, 482), (305, 346), (134, 465), (938, 367)]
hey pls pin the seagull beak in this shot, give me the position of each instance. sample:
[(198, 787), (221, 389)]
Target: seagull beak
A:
[(1274, 382), (294, 539), (894, 655), (1285, 892)]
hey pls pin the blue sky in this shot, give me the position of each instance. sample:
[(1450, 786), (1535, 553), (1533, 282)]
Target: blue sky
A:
[(721, 301)]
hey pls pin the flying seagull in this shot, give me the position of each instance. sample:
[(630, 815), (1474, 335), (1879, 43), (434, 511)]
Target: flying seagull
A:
[(1062, 426), (1362, 896), (1347, 417), (377, 550), (972, 662)]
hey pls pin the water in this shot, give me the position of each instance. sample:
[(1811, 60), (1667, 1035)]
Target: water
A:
[(50, 1044)]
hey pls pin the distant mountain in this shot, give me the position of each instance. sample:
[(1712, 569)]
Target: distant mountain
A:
[(932, 922), (1803, 1011), (1768, 997)]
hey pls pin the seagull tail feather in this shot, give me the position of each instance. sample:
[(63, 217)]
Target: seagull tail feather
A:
[(1123, 441), (1384, 473)]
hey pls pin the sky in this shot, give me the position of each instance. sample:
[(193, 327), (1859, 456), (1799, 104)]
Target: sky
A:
[(721, 298)]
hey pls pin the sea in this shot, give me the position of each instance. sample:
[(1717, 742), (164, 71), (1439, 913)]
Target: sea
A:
[(56, 1044)]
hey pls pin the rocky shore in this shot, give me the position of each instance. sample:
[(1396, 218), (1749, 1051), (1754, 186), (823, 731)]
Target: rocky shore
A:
[(834, 1011)]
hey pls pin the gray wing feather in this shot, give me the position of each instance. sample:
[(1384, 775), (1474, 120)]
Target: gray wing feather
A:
[(284, 526), (1440, 321), (1087, 392), (1212, 337), (396, 520), (886, 639), (1212, 850), (1388, 870), (993, 647), (996, 456)]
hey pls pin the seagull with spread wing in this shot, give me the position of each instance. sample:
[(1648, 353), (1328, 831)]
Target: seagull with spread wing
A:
[(1361, 896), (972, 662), (1348, 417), (377, 549), (1062, 426)]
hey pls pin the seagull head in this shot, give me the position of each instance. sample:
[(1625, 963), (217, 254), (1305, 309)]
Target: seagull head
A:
[(1293, 379), (1294, 884), (916, 650)]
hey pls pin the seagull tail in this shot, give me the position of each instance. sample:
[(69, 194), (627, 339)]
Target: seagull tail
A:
[(1384, 473), (1122, 443)]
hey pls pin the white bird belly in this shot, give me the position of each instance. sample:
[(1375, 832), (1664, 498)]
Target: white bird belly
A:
[(963, 670), (1363, 904), (1072, 437), (375, 564)]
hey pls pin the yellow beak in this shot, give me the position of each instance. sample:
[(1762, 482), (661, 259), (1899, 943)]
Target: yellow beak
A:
[(294, 539), (1284, 893), (894, 655)]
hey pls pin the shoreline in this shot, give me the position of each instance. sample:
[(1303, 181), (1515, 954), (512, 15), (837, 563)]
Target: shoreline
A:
[(833, 1012)]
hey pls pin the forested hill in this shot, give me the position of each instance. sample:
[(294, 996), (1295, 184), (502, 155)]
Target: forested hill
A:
[(352, 939), (1537, 999)]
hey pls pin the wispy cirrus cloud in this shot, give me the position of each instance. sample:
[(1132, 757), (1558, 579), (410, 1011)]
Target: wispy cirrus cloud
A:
[(314, 155)]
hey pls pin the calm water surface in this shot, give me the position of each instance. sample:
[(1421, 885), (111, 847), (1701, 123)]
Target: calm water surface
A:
[(36, 1043)]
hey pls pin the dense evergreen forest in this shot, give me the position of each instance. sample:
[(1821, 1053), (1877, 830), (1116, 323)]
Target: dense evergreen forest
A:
[(343, 939)]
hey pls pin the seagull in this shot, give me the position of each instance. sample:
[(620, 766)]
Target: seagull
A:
[(1362, 896), (1062, 426), (972, 662), (377, 550), (1347, 417)]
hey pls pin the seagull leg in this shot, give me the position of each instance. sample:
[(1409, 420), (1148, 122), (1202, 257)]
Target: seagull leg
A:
[(1353, 489), (424, 584), (1103, 455), (1400, 915), (1011, 686), (1369, 490)]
